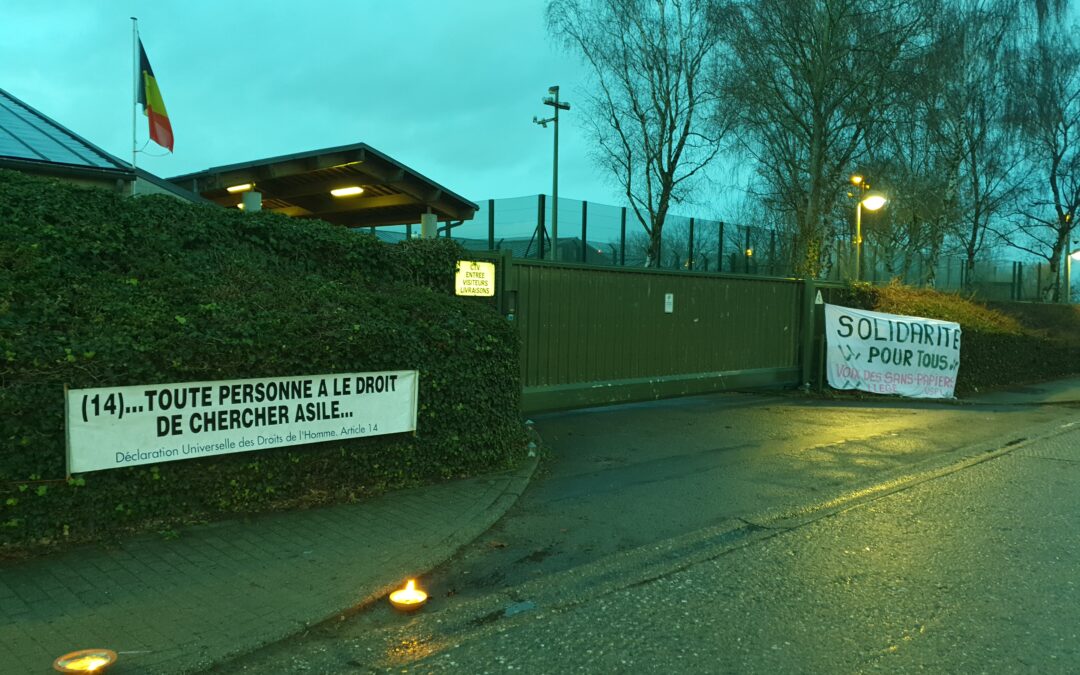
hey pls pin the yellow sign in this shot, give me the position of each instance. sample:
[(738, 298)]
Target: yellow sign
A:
[(474, 278)]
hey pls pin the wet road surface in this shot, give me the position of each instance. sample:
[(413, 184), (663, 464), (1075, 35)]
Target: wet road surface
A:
[(723, 532)]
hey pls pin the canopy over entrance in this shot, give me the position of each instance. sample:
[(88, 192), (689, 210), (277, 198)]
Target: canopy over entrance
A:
[(352, 185)]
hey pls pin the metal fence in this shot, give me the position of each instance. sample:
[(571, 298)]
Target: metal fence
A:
[(604, 235), (991, 279)]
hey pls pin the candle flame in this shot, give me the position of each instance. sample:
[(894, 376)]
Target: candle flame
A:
[(408, 596)]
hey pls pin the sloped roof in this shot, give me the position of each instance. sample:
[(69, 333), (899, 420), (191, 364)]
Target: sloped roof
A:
[(29, 137), (33, 142)]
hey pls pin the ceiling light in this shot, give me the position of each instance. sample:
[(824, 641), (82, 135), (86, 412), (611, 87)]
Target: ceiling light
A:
[(350, 191), (244, 187)]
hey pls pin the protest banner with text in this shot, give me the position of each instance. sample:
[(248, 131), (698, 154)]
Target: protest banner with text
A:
[(115, 427), (890, 353)]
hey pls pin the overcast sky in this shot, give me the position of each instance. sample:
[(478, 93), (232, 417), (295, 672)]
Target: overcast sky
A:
[(447, 88)]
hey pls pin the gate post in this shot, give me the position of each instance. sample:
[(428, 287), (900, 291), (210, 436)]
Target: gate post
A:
[(584, 231), (747, 252), (690, 252), (622, 238), (809, 323), (720, 249), (505, 288)]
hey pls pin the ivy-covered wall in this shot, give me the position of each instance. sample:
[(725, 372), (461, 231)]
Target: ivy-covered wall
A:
[(97, 290)]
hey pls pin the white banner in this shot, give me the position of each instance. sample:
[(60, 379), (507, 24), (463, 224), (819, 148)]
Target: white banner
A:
[(891, 354), (115, 427)]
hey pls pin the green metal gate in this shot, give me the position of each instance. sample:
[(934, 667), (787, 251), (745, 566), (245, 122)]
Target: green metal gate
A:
[(593, 336)]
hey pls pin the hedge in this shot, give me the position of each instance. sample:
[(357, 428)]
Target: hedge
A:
[(98, 290), (998, 347)]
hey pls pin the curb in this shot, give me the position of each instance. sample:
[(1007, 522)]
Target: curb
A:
[(517, 480), (489, 511)]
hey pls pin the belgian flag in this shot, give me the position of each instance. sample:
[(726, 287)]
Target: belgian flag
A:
[(153, 106)]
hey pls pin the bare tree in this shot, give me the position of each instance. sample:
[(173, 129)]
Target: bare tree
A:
[(680, 240), (811, 79), (919, 172), (1049, 11), (1046, 110), (979, 156), (654, 120), (674, 253)]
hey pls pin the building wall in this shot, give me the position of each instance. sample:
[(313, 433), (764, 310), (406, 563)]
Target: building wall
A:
[(118, 185)]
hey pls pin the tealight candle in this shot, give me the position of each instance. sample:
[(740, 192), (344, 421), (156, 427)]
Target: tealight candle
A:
[(85, 661), (409, 598)]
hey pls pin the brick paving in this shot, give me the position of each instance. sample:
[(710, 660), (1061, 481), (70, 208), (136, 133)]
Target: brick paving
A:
[(180, 605)]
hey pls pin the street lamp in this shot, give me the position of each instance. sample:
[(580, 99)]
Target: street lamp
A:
[(872, 201), (554, 102)]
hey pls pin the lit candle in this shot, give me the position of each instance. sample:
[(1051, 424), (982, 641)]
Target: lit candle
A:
[(85, 661), (409, 598)]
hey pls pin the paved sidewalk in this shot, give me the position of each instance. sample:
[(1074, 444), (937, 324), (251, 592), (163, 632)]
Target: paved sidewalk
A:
[(1066, 390), (181, 605)]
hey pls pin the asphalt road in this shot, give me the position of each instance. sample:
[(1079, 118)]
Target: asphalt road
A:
[(753, 534), (626, 476)]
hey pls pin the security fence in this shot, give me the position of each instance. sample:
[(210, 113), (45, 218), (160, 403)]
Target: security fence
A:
[(603, 235), (990, 279)]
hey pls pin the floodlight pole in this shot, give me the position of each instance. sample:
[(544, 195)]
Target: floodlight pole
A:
[(554, 102)]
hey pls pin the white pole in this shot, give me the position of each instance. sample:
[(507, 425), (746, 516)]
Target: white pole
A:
[(67, 433), (1068, 276), (135, 85), (429, 225)]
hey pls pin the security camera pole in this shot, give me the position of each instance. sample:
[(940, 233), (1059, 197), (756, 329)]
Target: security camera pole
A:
[(553, 101)]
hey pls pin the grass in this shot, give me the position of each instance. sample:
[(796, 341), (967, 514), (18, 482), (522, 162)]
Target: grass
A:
[(930, 304), (1054, 322)]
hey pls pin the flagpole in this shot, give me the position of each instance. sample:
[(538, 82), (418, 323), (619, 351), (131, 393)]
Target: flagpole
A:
[(135, 85)]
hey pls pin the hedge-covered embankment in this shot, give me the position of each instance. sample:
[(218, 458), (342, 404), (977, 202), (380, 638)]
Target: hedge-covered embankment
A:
[(1003, 344), (97, 290)]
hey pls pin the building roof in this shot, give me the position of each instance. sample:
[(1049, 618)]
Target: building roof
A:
[(29, 139), (297, 185), (300, 184), (32, 142)]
